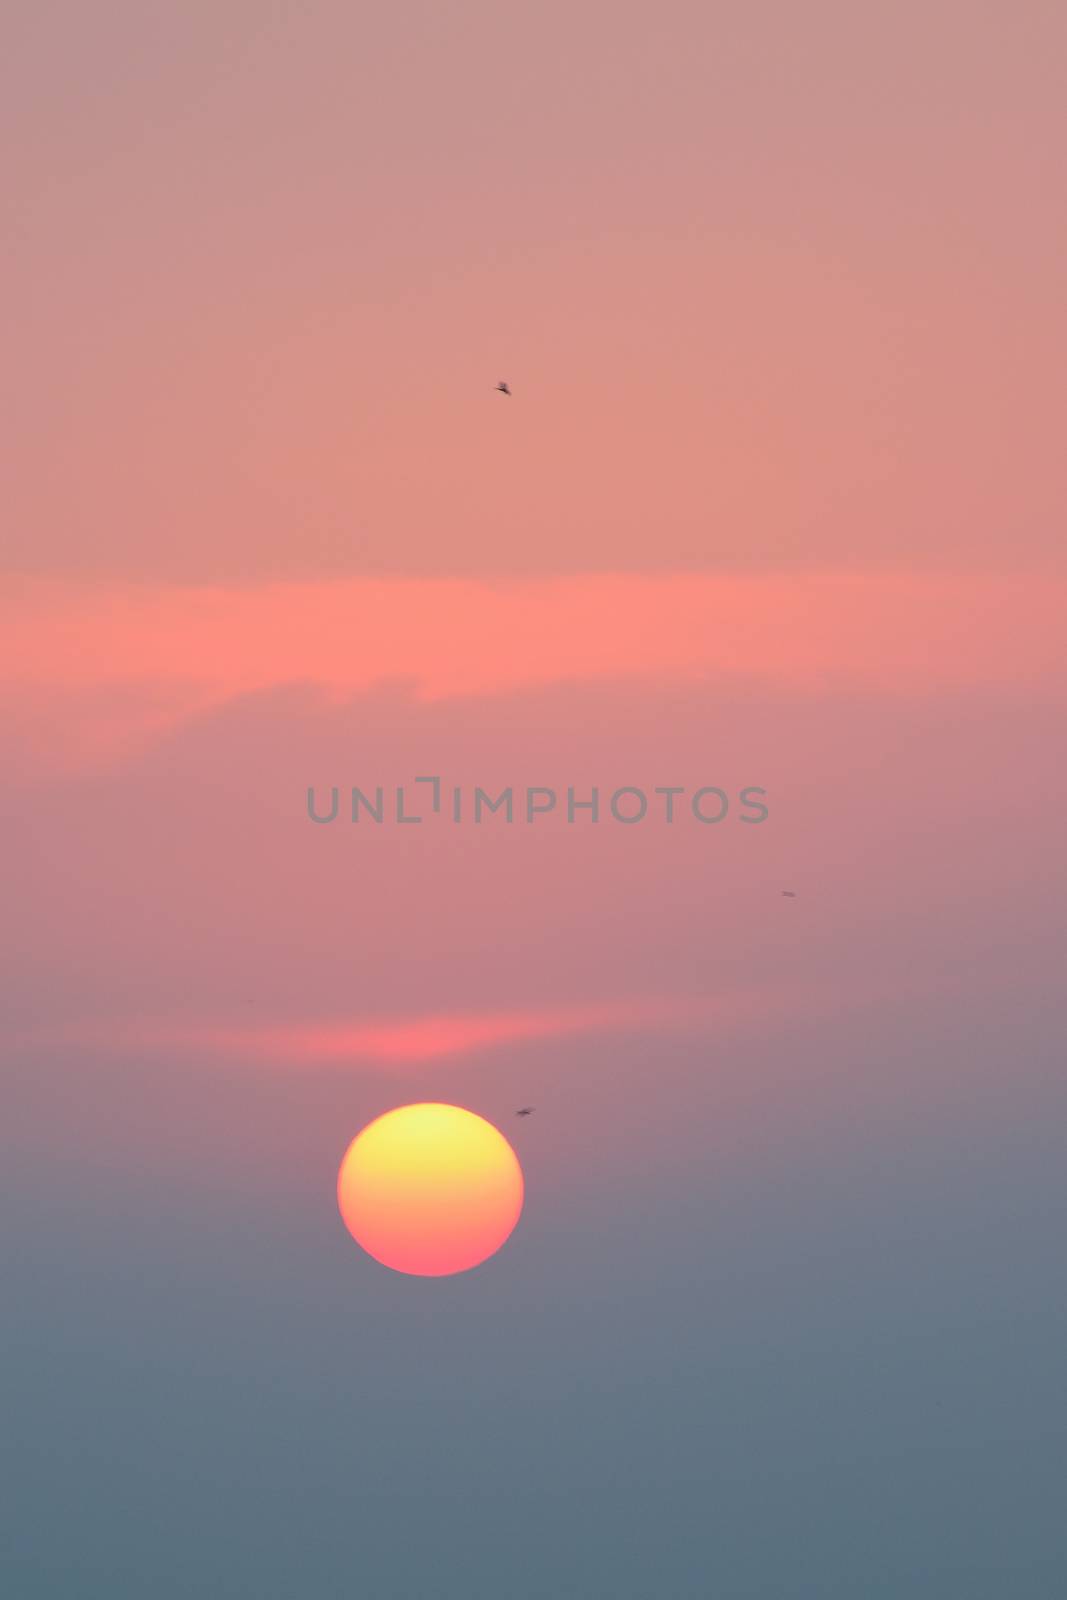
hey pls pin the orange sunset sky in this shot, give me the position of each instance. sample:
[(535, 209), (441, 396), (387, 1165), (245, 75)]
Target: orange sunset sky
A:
[(776, 501)]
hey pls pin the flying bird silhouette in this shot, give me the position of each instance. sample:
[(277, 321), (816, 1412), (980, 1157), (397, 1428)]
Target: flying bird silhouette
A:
[(524, 1111), (503, 388), (790, 894)]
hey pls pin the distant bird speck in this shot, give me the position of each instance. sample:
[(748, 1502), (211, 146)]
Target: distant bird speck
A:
[(524, 1111), (502, 388), (790, 894)]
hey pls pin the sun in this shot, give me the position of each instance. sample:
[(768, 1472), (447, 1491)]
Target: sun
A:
[(430, 1189)]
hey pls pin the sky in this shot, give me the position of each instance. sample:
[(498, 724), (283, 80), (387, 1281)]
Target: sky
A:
[(775, 505)]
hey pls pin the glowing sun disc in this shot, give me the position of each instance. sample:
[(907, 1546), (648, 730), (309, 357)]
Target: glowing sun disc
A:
[(430, 1189)]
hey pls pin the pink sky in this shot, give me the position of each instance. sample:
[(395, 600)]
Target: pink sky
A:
[(773, 290), (776, 503), (773, 502)]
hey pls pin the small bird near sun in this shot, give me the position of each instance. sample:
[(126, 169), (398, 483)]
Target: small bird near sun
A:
[(430, 1189), (502, 388)]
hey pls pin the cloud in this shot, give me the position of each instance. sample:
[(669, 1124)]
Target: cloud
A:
[(107, 665), (383, 1041)]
